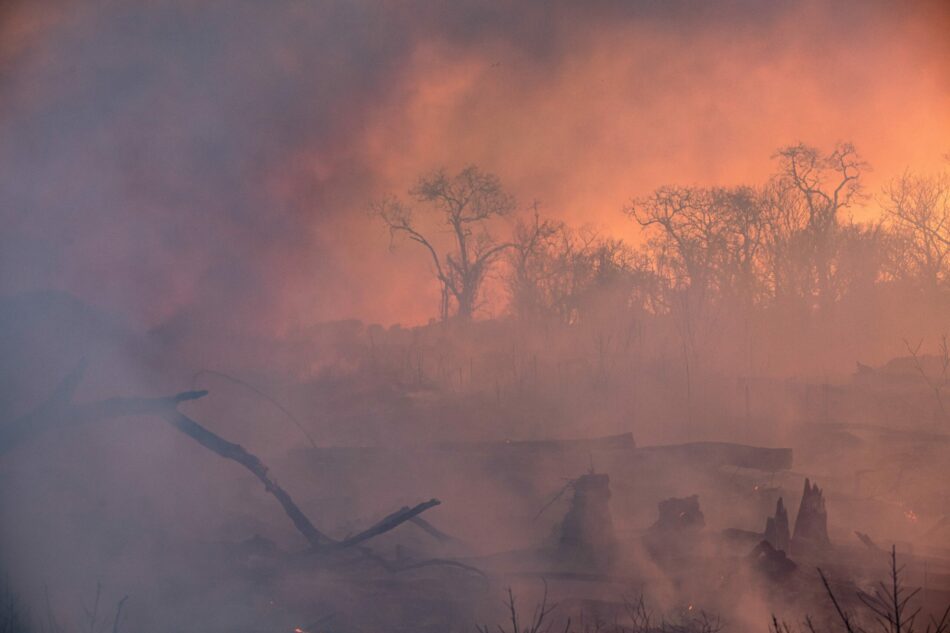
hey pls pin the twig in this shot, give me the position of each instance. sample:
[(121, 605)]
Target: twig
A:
[(118, 614), (554, 499), (889, 604), (942, 625), (93, 615), (845, 619), (262, 394), (935, 386)]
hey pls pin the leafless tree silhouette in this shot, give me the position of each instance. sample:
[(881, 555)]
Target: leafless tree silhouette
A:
[(465, 203), (816, 188), (918, 208)]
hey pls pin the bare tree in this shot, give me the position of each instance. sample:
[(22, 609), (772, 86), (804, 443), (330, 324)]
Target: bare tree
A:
[(817, 187), (686, 233), (739, 274), (918, 208), (570, 274), (465, 203), (707, 244), (531, 264), (706, 239)]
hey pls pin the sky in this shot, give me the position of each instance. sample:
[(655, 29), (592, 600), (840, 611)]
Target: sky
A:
[(216, 160)]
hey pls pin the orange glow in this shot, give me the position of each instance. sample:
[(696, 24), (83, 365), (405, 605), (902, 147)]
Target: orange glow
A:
[(595, 108), (629, 108)]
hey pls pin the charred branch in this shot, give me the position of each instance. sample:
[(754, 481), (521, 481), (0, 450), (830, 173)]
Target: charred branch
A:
[(431, 530), (58, 410), (389, 522), (236, 453)]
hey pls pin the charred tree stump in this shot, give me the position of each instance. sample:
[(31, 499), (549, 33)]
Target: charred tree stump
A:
[(811, 524), (676, 536), (587, 533), (678, 515), (776, 528)]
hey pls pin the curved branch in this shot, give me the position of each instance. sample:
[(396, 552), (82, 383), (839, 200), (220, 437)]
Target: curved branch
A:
[(237, 453)]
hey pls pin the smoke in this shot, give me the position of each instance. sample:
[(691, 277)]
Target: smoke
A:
[(216, 159), (202, 171)]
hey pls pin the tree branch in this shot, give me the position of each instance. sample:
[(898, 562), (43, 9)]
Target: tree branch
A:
[(389, 522)]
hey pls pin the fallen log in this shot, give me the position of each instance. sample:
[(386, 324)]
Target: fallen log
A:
[(623, 441), (604, 449), (724, 453)]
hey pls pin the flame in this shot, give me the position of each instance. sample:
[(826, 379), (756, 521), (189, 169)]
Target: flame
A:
[(911, 516)]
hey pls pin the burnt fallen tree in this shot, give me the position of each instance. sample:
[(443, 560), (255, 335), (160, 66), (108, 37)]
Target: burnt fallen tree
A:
[(724, 453), (621, 442), (237, 453), (60, 411), (613, 448)]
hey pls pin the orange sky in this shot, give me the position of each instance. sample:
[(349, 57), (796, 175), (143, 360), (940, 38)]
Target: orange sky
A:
[(628, 108), (204, 141)]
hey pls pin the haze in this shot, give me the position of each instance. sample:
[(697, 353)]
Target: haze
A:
[(391, 316)]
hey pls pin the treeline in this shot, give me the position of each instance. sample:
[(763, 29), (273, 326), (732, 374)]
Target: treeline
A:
[(775, 270)]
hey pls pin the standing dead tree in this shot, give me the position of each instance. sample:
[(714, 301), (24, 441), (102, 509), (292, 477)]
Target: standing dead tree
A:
[(705, 245), (918, 208), (818, 188), (532, 270), (465, 203)]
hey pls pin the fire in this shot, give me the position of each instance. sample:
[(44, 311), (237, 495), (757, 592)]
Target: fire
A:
[(911, 516)]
